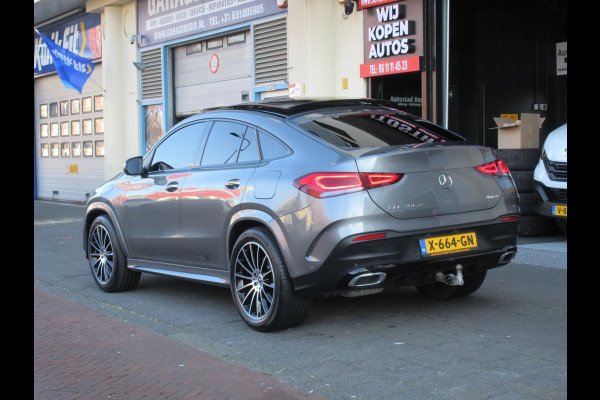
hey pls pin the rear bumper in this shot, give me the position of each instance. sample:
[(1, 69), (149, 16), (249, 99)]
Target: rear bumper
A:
[(399, 258)]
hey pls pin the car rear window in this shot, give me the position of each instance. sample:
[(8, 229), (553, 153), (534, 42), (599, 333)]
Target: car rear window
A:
[(374, 129)]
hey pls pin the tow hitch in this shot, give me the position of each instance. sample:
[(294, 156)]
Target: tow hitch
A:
[(451, 279)]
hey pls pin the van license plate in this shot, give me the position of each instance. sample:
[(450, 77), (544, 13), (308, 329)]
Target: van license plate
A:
[(440, 245), (560, 211)]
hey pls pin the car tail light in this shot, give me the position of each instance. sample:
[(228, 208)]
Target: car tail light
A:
[(329, 184), (376, 180), (496, 168)]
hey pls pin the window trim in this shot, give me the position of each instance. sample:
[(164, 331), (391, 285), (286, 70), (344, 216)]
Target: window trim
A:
[(288, 148), (149, 157)]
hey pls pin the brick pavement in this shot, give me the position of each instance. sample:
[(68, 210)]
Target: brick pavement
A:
[(80, 353)]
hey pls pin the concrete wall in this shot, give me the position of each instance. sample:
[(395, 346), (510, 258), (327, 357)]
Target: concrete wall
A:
[(120, 80), (324, 48)]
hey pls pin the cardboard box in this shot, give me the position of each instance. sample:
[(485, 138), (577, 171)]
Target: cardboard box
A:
[(522, 134)]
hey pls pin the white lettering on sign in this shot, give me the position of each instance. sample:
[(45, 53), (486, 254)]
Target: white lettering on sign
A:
[(68, 40), (156, 7), (389, 32)]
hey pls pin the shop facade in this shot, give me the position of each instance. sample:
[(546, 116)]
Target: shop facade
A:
[(69, 126), (197, 55), (456, 63)]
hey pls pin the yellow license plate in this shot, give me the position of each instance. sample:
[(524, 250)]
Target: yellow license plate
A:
[(440, 245), (560, 211)]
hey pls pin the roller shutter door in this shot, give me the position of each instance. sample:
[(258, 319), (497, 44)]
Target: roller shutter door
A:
[(212, 72), (69, 138)]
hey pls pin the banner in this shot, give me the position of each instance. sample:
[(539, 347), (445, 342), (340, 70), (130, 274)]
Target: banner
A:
[(161, 21), (72, 69)]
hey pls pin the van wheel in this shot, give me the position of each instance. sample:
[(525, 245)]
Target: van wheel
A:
[(260, 284)]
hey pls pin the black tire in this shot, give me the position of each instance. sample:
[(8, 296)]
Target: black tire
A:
[(519, 159), (258, 271), (107, 261), (438, 290), (536, 225)]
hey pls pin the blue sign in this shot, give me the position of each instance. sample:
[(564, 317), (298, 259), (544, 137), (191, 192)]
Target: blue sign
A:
[(162, 21), (72, 69), (80, 35)]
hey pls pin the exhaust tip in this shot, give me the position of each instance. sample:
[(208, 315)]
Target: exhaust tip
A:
[(507, 257), (367, 279)]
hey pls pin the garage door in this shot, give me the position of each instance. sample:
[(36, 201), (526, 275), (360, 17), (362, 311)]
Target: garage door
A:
[(69, 138), (212, 72)]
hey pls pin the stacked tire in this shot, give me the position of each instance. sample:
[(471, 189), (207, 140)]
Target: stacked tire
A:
[(521, 163)]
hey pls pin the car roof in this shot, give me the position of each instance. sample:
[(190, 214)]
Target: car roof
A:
[(290, 107)]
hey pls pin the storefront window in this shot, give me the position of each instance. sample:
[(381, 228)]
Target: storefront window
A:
[(154, 123), (402, 89)]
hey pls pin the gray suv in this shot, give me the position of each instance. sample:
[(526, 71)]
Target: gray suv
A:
[(283, 201)]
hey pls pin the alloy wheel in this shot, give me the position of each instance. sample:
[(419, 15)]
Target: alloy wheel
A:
[(101, 255), (254, 282)]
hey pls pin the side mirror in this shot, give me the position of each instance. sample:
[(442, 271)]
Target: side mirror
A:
[(134, 166)]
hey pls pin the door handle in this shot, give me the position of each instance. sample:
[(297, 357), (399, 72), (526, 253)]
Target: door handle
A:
[(233, 183), (172, 186)]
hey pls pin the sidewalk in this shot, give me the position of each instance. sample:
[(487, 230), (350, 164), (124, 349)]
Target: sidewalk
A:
[(549, 251), (80, 353)]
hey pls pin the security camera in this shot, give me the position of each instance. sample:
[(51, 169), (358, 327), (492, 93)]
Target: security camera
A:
[(348, 7), (133, 39)]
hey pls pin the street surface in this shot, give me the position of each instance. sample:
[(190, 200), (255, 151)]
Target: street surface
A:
[(506, 341)]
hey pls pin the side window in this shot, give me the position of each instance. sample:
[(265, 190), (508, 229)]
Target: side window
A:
[(249, 147), (223, 143), (271, 147), (179, 150)]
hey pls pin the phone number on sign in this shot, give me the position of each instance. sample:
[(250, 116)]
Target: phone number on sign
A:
[(238, 14)]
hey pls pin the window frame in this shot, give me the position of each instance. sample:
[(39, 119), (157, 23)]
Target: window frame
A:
[(236, 163), (149, 157)]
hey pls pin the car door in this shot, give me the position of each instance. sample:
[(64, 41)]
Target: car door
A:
[(214, 191), (151, 207)]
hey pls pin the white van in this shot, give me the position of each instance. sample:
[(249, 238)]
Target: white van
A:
[(550, 179)]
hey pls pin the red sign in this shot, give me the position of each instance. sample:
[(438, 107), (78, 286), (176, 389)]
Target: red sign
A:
[(214, 63), (372, 3), (386, 67)]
